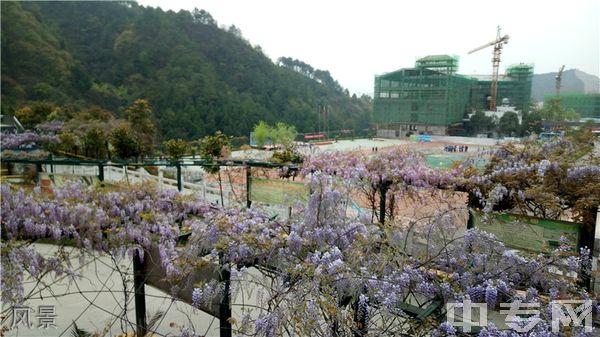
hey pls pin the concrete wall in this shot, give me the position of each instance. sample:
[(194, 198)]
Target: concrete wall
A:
[(400, 130)]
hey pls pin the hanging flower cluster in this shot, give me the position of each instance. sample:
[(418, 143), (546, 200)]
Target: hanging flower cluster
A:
[(548, 180), (26, 140)]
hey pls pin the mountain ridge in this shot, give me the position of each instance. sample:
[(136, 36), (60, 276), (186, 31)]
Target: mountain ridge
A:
[(198, 77), (573, 81)]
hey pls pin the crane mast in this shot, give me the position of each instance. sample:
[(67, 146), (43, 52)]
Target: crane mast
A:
[(559, 79), (498, 44)]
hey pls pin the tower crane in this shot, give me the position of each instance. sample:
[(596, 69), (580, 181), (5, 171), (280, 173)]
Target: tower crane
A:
[(497, 43), (558, 80)]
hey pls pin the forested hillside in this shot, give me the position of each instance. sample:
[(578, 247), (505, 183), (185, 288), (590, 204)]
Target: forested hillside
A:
[(198, 77)]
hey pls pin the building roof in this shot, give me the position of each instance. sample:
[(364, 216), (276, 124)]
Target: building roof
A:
[(409, 71), (489, 77), (438, 58), (9, 122)]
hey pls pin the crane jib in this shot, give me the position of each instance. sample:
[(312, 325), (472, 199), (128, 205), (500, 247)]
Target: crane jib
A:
[(496, 64)]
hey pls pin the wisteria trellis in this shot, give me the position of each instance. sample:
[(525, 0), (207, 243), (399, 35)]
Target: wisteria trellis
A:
[(327, 268)]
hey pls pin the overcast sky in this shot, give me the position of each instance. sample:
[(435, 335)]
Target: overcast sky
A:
[(355, 40)]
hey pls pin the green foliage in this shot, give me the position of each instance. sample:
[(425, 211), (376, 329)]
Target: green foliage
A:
[(237, 142), (199, 78), (95, 113), (139, 115), (63, 113), (211, 149), (175, 148), (531, 123), (583, 134), (68, 143), (28, 118), (203, 17), (584, 139), (287, 157), (214, 147), (35, 65), (553, 110), (35, 113), (480, 123), (509, 123), (261, 133), (125, 143), (282, 134), (107, 96), (95, 144), (321, 76)]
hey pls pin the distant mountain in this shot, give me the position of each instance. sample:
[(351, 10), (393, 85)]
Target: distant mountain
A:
[(199, 77), (573, 80)]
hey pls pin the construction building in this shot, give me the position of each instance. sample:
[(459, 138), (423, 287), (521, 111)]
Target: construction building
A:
[(431, 97), (515, 86), (586, 105)]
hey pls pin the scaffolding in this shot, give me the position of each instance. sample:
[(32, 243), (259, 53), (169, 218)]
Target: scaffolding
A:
[(514, 87), (444, 64), (420, 96), (586, 105), (432, 96)]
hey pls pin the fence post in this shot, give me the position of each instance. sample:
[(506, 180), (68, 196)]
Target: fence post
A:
[(38, 170), (179, 183), (382, 195), (471, 220), (587, 239), (139, 295), (225, 305), (101, 172), (248, 183)]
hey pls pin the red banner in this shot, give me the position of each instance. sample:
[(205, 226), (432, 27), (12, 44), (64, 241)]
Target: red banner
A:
[(320, 135)]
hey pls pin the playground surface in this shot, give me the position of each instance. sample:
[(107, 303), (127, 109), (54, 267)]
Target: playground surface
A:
[(434, 150)]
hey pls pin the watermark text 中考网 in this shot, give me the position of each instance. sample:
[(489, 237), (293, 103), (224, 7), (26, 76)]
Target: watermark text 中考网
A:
[(521, 316)]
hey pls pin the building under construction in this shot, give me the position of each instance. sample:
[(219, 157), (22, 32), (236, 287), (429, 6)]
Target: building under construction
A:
[(431, 97), (587, 105)]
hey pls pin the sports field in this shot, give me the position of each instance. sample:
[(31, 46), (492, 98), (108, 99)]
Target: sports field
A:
[(277, 192), (448, 160)]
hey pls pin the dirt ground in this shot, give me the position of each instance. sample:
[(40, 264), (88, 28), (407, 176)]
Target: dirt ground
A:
[(419, 206), (238, 175)]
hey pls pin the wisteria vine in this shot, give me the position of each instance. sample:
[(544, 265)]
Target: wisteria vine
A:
[(329, 272)]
